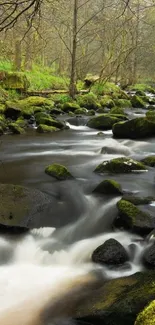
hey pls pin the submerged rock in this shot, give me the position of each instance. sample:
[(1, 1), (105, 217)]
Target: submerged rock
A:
[(149, 161), (60, 172), (133, 218), (108, 187), (120, 165), (18, 205), (134, 129), (110, 253), (147, 316), (118, 301), (46, 129)]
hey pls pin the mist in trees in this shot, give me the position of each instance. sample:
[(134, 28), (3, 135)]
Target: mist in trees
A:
[(111, 39)]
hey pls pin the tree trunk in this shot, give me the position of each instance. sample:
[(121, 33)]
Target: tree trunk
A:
[(72, 87), (18, 55)]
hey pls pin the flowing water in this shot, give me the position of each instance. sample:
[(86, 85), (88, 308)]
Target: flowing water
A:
[(45, 264)]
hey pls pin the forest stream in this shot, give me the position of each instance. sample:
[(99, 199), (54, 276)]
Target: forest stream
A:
[(41, 265)]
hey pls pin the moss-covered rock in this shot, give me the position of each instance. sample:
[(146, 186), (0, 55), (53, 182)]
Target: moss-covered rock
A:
[(133, 218), (150, 115), (124, 103), (134, 129), (36, 101), (136, 200), (18, 204), (118, 301), (60, 172), (147, 316), (71, 114), (110, 253), (106, 101), (137, 102), (46, 129), (56, 111), (21, 122), (14, 80), (16, 128), (141, 93), (51, 122), (103, 121), (88, 101), (40, 115), (12, 109), (91, 112), (108, 187), (70, 107), (101, 110), (117, 110), (142, 87), (120, 165), (2, 108), (149, 161), (80, 111)]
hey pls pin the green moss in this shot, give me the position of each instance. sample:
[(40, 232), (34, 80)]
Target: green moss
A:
[(88, 101), (21, 122), (58, 171), (2, 108), (123, 103), (109, 187), (147, 316), (149, 161), (134, 129), (91, 112), (120, 165), (133, 218), (138, 102), (117, 110), (106, 101), (150, 115), (142, 87), (108, 88), (16, 129), (70, 107), (14, 80), (36, 101), (81, 111), (61, 98), (140, 93), (51, 122), (103, 121), (27, 112), (46, 129), (56, 111), (71, 114), (101, 110)]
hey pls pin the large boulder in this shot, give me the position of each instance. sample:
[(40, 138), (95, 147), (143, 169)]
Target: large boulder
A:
[(149, 161), (110, 253), (149, 255), (120, 165), (124, 103), (46, 129), (59, 172), (51, 122), (131, 217), (147, 316), (19, 204), (134, 129), (109, 187), (118, 301), (103, 121), (88, 101), (13, 80), (12, 109), (70, 107)]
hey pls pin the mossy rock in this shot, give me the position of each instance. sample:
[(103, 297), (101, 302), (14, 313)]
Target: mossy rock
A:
[(28, 112), (149, 254), (108, 187), (12, 109), (140, 93), (51, 122), (3, 122), (110, 253), (36, 101), (103, 122), (40, 115), (142, 87), (88, 101), (18, 204), (137, 128), (119, 165), (56, 111), (101, 110), (106, 101), (81, 111), (14, 80), (2, 108), (124, 103), (147, 316), (59, 172), (149, 161), (71, 114), (118, 301), (117, 110), (91, 112), (138, 102), (42, 128), (70, 107), (150, 115), (136, 200), (123, 95), (15, 128), (21, 122), (133, 218)]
